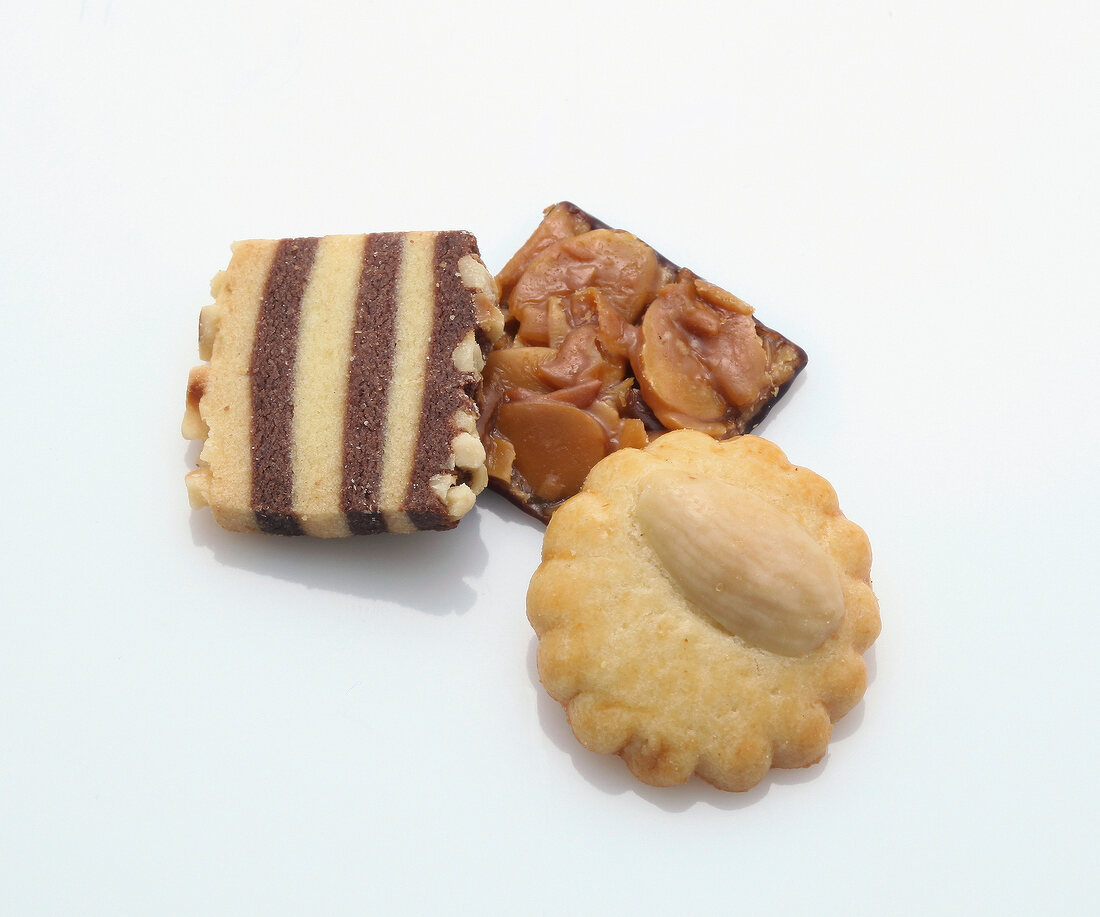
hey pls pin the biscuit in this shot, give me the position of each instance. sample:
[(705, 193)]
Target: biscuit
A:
[(701, 607), (340, 396), (608, 344)]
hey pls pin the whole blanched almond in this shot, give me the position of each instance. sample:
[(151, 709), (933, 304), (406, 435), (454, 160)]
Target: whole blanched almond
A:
[(742, 561)]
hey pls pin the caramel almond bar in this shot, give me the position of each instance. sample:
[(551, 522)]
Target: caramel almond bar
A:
[(608, 344), (340, 396)]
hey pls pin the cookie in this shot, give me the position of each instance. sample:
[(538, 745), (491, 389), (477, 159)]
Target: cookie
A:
[(608, 345), (701, 608), (340, 396)]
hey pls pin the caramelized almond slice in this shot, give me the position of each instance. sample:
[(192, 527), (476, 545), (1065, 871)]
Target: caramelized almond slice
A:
[(605, 412), (534, 327), (737, 361), (560, 222), (580, 395), (557, 321), (617, 335), (580, 358), (584, 307), (517, 367), (633, 434), (623, 267), (500, 455), (674, 382), (590, 307), (702, 322), (723, 299), (564, 313), (555, 445), (697, 363)]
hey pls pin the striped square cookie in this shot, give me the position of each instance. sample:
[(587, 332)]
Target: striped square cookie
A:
[(340, 392)]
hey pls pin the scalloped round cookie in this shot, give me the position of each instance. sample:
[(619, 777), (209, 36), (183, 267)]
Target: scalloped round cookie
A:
[(701, 607)]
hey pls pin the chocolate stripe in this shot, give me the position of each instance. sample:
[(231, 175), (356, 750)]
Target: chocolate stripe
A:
[(372, 352), (454, 317), (272, 373), (412, 338)]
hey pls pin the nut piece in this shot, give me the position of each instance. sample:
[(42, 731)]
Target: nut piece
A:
[(209, 318), (194, 427), (744, 562), (560, 222), (623, 267), (699, 359), (556, 444), (518, 367), (476, 278)]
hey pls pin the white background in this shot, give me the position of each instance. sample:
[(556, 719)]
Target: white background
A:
[(194, 722)]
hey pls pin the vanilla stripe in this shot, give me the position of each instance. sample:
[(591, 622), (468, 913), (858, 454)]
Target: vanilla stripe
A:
[(321, 384), (239, 292), (412, 336)]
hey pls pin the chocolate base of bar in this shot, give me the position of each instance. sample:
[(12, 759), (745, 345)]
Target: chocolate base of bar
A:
[(780, 351)]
